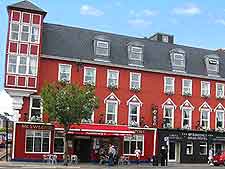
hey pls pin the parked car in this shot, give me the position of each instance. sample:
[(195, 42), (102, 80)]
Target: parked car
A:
[(219, 158)]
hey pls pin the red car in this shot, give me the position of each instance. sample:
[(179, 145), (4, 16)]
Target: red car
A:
[(219, 158)]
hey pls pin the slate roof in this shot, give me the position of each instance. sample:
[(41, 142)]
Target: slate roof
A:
[(26, 5), (77, 43)]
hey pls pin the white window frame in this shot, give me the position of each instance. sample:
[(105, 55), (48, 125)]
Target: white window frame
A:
[(205, 145), (12, 64), (209, 112), (131, 80), (190, 144), (21, 31), (98, 42), (34, 152), (116, 110), (217, 86), (219, 111), (13, 22), (38, 39), (181, 59), (138, 112), (132, 48), (29, 66), (18, 64), (69, 71), (185, 88), (207, 84), (85, 70), (190, 117), (216, 65), (30, 107), (117, 77), (172, 86), (164, 112), (58, 137), (127, 138)]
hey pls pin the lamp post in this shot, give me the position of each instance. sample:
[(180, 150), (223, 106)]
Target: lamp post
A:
[(6, 115)]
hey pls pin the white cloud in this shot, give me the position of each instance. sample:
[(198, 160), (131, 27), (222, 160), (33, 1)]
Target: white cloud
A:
[(220, 21), (143, 13), (141, 23), (90, 10), (188, 10)]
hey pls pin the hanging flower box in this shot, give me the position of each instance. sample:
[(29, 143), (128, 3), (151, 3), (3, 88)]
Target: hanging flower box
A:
[(112, 87), (135, 89)]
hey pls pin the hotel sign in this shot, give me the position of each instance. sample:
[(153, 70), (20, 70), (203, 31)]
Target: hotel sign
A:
[(37, 126)]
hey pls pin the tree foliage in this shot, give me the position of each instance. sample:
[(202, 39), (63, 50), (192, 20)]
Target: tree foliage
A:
[(68, 103)]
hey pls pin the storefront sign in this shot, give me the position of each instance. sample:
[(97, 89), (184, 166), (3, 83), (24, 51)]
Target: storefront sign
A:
[(37, 126), (139, 131), (197, 136)]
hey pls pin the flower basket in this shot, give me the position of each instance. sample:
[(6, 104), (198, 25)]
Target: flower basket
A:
[(169, 93), (205, 96), (135, 89), (188, 94), (112, 87)]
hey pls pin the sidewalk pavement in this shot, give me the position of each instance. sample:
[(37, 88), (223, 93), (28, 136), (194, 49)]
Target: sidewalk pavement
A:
[(12, 164)]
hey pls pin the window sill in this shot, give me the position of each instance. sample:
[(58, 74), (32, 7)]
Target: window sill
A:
[(37, 152)]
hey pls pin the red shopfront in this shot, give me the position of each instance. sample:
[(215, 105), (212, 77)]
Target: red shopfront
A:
[(32, 140)]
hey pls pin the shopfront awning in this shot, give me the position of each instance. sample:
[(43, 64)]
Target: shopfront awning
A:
[(98, 129)]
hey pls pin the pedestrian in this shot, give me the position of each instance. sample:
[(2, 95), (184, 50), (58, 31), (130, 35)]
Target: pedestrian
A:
[(163, 155), (210, 158), (137, 153), (110, 153)]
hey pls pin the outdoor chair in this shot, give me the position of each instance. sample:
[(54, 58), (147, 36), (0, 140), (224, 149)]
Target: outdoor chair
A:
[(74, 159)]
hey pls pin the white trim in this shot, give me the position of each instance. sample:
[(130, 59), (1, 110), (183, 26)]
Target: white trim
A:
[(17, 50), (9, 64), (49, 142), (30, 35), (7, 80), (172, 114), (85, 69), (59, 70), (203, 104), (138, 112), (117, 78), (187, 102), (25, 77), (208, 87), (139, 79), (28, 48), (12, 16), (30, 106), (173, 84), (169, 102), (190, 117), (30, 87), (33, 44), (39, 19), (154, 146), (21, 31), (217, 96), (22, 17), (221, 111), (111, 95), (136, 98), (218, 106), (136, 140), (10, 31), (189, 87), (133, 68), (106, 110), (192, 147), (208, 120), (132, 47)]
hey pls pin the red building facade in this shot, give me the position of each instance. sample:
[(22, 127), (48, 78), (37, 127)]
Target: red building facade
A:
[(152, 92)]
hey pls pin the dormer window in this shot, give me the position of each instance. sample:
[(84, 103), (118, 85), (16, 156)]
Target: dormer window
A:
[(102, 48), (177, 57), (212, 64), (135, 53)]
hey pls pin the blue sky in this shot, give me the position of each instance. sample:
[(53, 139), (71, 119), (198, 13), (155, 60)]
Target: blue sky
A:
[(193, 23)]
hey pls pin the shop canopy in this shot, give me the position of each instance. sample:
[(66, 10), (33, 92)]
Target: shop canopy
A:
[(97, 129)]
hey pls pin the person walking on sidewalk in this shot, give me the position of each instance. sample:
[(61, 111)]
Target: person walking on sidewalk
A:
[(137, 153)]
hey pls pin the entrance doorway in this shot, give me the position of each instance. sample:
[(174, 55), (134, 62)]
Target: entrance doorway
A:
[(174, 152), (82, 147)]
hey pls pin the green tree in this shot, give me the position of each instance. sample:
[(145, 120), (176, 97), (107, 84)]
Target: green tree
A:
[(67, 104)]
